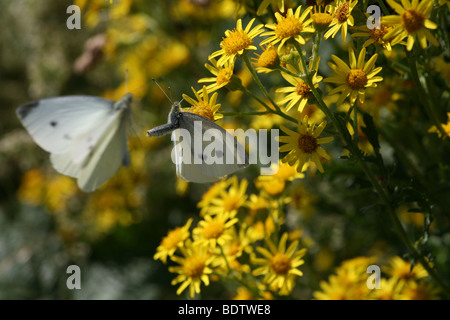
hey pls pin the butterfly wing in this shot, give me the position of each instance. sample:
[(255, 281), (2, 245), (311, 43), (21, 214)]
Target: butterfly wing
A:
[(231, 155), (54, 123), (184, 161), (110, 151), (85, 135)]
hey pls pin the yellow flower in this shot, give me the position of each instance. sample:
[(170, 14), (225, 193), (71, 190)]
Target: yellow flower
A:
[(321, 20), (275, 184), (412, 22), (339, 288), (304, 144), (401, 269), (419, 290), (236, 42), (299, 92), (288, 27), (268, 61), (256, 203), (204, 106), (256, 231), (342, 19), (390, 289), (229, 201), (355, 78), (194, 268), (58, 191), (348, 283), (377, 36), (213, 192), (223, 75), (211, 231), (232, 249), (31, 189), (279, 264), (53, 192), (174, 240), (242, 293)]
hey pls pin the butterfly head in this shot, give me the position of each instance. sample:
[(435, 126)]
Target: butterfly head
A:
[(124, 102), (174, 112)]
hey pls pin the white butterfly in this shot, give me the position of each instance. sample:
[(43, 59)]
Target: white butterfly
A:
[(191, 153), (86, 136)]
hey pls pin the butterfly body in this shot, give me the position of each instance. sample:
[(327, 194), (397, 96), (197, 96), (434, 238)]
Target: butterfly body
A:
[(192, 134)]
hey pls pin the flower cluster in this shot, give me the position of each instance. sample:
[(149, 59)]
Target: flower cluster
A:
[(400, 281), (233, 241)]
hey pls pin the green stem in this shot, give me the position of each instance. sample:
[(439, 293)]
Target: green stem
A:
[(254, 290), (276, 109), (284, 70), (355, 123), (232, 275), (315, 50), (258, 81), (382, 193), (225, 258)]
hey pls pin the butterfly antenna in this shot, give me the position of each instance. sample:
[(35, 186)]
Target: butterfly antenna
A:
[(170, 93), (156, 82)]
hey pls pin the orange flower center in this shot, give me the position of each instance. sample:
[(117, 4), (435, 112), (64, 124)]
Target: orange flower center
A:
[(303, 90), (213, 229), (307, 143), (288, 27), (321, 19), (269, 58), (280, 263), (342, 12), (224, 76), (231, 202), (236, 41), (412, 20), (193, 266), (203, 110), (356, 79), (378, 34)]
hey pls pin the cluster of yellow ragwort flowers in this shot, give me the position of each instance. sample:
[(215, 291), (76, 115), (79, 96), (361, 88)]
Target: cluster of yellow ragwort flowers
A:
[(400, 281), (224, 244), (233, 241)]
